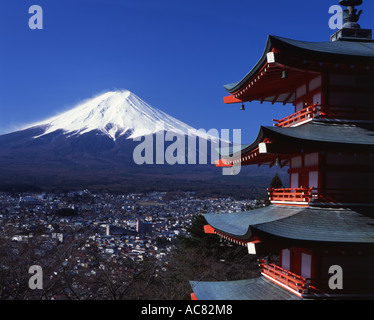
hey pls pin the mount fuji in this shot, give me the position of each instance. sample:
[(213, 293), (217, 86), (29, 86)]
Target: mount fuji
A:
[(92, 145), (115, 114)]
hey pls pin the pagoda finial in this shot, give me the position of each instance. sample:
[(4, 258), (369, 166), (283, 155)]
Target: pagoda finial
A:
[(351, 16), (351, 30)]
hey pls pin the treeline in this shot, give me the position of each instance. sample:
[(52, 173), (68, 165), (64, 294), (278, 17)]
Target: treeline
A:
[(20, 187)]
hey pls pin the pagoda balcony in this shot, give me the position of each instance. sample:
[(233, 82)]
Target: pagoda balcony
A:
[(305, 115), (296, 196), (308, 196), (287, 279)]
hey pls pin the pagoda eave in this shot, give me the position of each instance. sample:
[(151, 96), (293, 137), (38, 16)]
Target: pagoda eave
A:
[(268, 84), (283, 55), (303, 224), (254, 243), (230, 99), (283, 142)]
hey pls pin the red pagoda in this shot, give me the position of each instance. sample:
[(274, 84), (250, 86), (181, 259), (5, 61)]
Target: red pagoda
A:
[(322, 225)]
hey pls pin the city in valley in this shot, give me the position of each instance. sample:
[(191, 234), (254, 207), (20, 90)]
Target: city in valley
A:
[(95, 245)]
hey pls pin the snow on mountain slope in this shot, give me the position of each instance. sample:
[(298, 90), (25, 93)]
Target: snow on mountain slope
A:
[(116, 113)]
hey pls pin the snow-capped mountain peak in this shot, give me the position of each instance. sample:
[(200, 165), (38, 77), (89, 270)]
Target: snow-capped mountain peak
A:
[(115, 113)]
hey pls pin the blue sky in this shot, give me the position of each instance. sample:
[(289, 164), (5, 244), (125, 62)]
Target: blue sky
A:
[(175, 55)]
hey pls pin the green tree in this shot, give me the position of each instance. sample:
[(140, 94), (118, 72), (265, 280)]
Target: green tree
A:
[(276, 182), (208, 244)]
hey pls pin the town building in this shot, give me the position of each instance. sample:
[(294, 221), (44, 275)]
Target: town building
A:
[(322, 225)]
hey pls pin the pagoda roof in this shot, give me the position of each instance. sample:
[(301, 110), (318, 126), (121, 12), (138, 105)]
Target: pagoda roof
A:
[(335, 225), (321, 133), (302, 59), (353, 48), (252, 289)]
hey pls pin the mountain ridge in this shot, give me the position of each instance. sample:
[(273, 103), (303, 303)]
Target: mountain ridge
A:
[(91, 145)]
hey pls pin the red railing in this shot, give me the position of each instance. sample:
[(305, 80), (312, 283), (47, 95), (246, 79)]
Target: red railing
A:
[(288, 278), (307, 113), (291, 194), (302, 115), (324, 112), (304, 196)]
